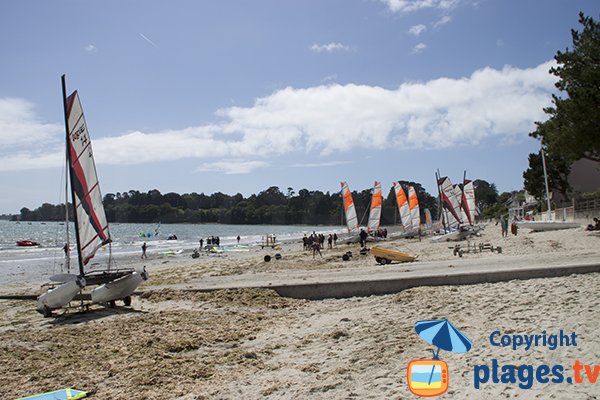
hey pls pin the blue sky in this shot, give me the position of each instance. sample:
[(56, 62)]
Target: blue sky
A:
[(237, 96)]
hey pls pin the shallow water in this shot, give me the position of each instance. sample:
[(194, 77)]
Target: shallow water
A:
[(26, 264)]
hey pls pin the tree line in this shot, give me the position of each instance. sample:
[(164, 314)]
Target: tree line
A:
[(572, 130), (271, 206)]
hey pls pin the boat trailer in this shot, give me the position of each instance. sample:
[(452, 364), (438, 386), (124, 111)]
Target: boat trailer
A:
[(474, 248)]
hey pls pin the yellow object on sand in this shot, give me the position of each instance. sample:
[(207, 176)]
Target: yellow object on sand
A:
[(386, 256)]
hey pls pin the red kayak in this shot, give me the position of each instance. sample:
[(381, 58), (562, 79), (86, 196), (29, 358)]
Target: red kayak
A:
[(27, 243)]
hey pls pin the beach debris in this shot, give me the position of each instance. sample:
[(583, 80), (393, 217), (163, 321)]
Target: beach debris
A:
[(474, 248), (278, 256), (347, 256)]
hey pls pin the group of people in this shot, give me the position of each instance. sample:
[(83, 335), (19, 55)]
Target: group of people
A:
[(211, 241), (316, 242)]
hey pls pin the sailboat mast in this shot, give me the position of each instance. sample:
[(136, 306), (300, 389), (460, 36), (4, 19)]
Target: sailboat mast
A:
[(71, 178), (442, 209), (546, 181)]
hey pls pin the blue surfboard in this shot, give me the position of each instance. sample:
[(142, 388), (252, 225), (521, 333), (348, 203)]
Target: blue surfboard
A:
[(63, 394)]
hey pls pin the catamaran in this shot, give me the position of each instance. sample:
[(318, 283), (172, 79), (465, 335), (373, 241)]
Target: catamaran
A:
[(450, 211), (91, 226)]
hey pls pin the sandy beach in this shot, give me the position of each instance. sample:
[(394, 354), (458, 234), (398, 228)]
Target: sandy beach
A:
[(251, 343)]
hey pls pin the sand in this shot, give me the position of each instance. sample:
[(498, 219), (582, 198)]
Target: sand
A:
[(251, 343)]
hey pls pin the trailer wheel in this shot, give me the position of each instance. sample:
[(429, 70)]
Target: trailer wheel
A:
[(387, 261), (47, 312), (127, 301)]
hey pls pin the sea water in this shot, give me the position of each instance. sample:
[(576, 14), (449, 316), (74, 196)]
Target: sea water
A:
[(36, 264)]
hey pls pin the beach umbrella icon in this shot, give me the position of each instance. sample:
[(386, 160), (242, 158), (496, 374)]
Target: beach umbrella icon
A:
[(442, 334)]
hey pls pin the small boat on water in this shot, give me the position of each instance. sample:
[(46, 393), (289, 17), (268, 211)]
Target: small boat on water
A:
[(27, 243)]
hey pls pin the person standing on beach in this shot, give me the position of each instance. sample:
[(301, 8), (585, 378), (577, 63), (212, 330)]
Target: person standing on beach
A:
[(329, 242), (144, 247), (238, 239), (363, 238), (504, 225), (316, 248), (334, 239), (201, 243)]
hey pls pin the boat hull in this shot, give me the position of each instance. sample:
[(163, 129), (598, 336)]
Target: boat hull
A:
[(543, 226), (119, 288), (454, 236), (388, 255), (59, 296)]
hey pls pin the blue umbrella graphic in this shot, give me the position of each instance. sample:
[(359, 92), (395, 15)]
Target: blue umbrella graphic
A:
[(442, 334)]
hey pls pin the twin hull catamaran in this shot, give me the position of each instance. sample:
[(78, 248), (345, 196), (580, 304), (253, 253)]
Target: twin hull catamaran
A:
[(91, 226), (457, 209)]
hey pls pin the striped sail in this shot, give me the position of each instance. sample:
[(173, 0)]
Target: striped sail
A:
[(450, 203), (92, 226), (428, 220), (413, 203), (403, 206), (468, 201), (375, 213), (349, 210)]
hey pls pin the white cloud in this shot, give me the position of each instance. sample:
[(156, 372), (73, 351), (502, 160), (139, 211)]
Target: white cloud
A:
[(418, 48), (442, 21), (407, 6), (329, 47), (19, 125), (490, 104), (417, 29), (90, 48), (232, 166), (320, 165)]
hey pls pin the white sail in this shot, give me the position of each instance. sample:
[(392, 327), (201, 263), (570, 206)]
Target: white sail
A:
[(375, 213), (450, 203), (92, 225), (413, 203), (349, 210), (468, 201), (403, 206)]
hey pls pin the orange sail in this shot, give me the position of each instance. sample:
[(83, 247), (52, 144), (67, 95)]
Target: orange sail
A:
[(403, 206), (349, 210), (375, 213), (413, 203)]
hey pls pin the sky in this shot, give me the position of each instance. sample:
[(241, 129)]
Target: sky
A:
[(238, 96)]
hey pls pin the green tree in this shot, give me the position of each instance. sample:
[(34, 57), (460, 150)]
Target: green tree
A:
[(557, 169), (573, 127), (486, 194)]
